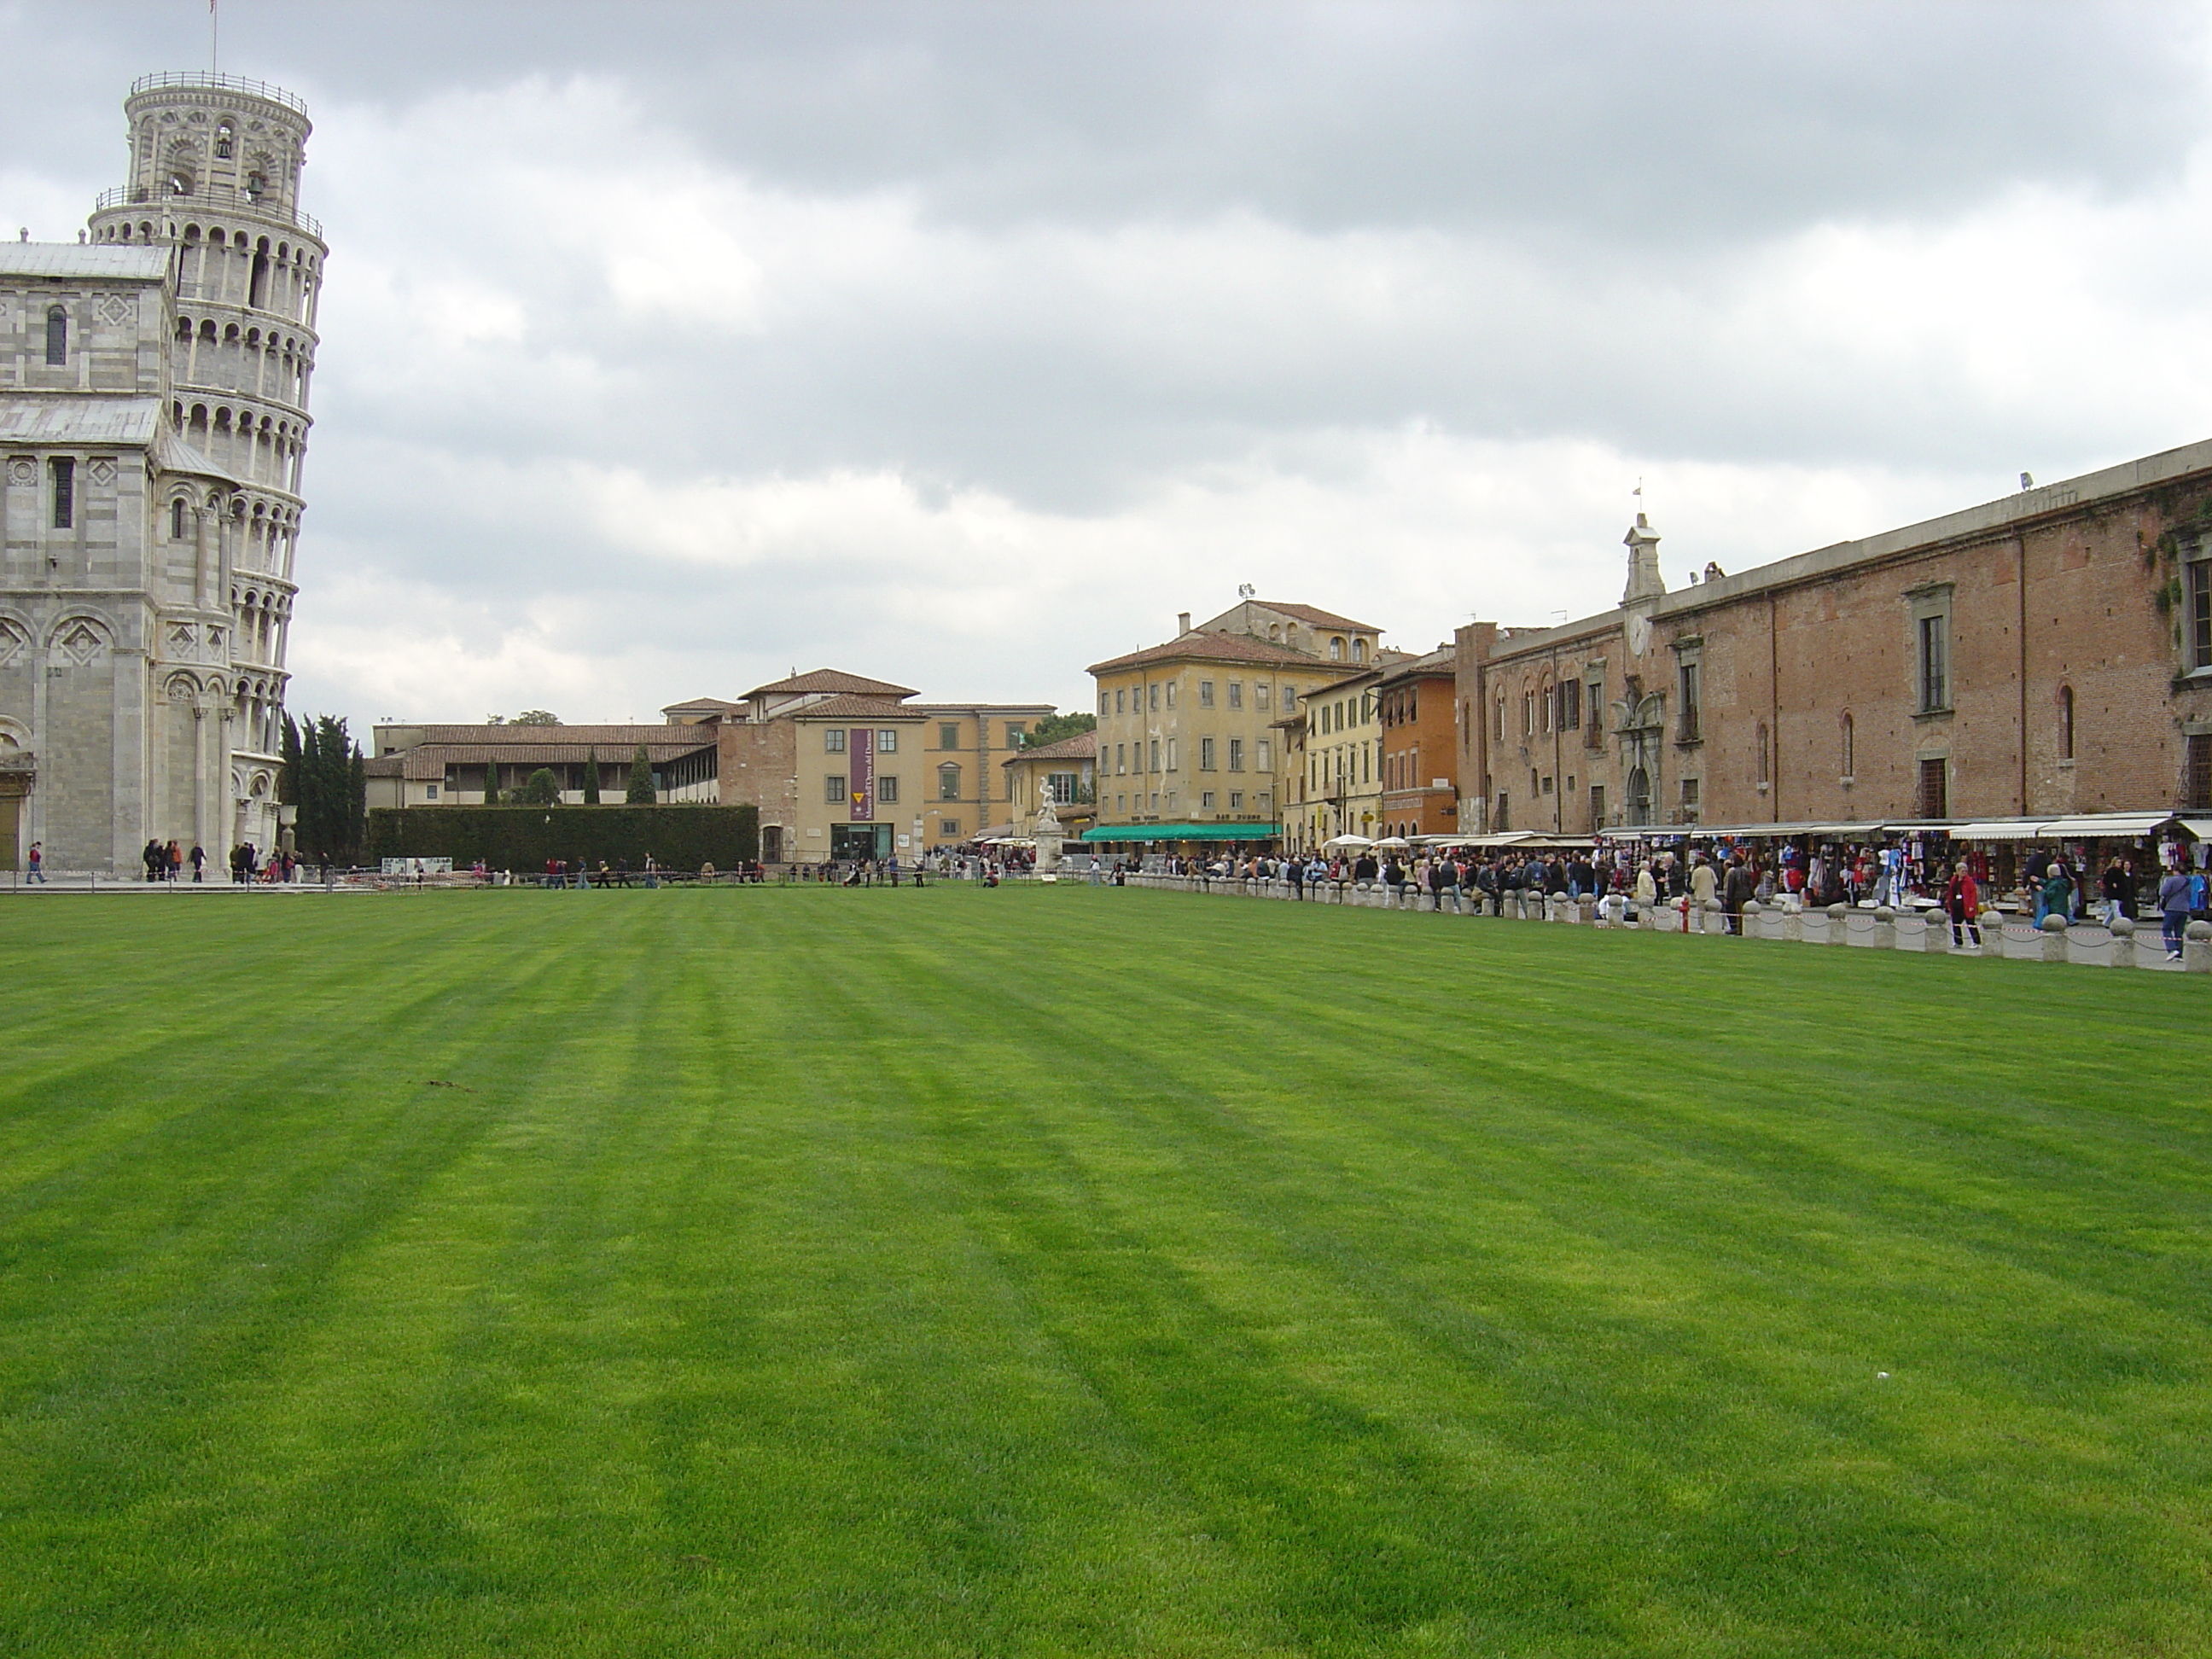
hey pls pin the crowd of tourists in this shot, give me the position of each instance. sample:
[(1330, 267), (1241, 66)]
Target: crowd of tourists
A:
[(1623, 882), (167, 862)]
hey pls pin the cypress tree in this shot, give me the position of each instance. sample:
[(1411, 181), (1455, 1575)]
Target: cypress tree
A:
[(591, 777), (639, 792), (356, 800), (287, 775)]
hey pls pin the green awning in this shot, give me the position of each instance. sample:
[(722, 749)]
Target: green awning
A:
[(1184, 832)]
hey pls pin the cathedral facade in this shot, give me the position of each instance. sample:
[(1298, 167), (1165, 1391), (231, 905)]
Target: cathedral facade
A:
[(155, 378)]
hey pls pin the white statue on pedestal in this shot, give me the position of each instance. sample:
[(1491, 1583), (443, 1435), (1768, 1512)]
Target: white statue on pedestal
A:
[(1046, 835)]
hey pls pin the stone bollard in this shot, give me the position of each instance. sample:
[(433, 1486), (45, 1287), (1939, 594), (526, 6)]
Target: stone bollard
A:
[(1885, 928), (1793, 926), (1589, 904), (1840, 924), (2054, 939), (1715, 920), (1993, 933), (2123, 943), (2196, 948), (1753, 910), (1938, 941)]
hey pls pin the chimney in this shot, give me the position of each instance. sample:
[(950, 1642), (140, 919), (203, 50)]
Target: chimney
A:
[(1182, 624)]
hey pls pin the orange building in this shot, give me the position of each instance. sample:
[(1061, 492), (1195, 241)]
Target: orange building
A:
[(1421, 775)]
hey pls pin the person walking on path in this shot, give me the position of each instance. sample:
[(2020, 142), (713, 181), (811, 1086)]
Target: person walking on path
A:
[(2119, 888), (1701, 890), (1735, 890), (39, 861), (2173, 910), (1963, 899), (199, 861), (2057, 893)]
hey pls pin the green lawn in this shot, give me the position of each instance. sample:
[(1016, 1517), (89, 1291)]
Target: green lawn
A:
[(1118, 1272)]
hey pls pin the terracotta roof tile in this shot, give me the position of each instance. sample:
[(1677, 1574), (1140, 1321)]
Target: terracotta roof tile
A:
[(831, 680), (1212, 648), (1084, 745), (1319, 617), (508, 737), (842, 708)]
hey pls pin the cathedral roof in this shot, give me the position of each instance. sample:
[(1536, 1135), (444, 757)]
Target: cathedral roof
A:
[(44, 418), (106, 261), (173, 454)]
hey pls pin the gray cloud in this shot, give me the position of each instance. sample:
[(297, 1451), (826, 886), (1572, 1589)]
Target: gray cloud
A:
[(667, 345)]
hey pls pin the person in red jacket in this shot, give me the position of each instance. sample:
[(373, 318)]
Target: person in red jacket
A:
[(1963, 899)]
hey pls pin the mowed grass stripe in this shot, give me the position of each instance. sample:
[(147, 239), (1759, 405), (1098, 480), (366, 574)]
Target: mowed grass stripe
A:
[(961, 1271)]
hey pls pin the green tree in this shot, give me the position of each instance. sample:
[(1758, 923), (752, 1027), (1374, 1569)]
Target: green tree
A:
[(287, 775), (331, 782), (1053, 727), (591, 777), (538, 717), (639, 792), (541, 788), (357, 803)]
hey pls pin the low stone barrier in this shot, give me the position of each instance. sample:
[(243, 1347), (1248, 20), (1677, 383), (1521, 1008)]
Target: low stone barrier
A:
[(1992, 936)]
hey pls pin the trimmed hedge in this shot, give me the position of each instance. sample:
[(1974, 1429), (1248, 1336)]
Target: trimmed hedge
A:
[(523, 837)]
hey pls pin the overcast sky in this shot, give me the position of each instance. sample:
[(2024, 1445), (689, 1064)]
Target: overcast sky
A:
[(666, 348)]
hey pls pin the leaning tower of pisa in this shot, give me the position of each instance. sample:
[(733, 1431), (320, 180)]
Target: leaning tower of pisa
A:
[(214, 179)]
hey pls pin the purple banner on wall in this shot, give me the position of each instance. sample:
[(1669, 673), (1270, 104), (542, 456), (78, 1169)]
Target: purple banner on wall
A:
[(860, 758)]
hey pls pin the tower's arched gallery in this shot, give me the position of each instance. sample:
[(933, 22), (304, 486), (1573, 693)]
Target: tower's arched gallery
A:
[(154, 386)]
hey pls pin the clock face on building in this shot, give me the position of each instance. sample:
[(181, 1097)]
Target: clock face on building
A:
[(1639, 634)]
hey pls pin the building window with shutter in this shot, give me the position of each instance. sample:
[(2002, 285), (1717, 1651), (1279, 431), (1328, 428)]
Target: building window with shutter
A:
[(1934, 664), (948, 783), (833, 789), (887, 791), (948, 735), (2199, 584), (1691, 726), (1935, 789), (1206, 754), (833, 739)]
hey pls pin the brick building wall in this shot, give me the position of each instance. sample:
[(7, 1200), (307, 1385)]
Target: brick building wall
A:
[(2011, 659)]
